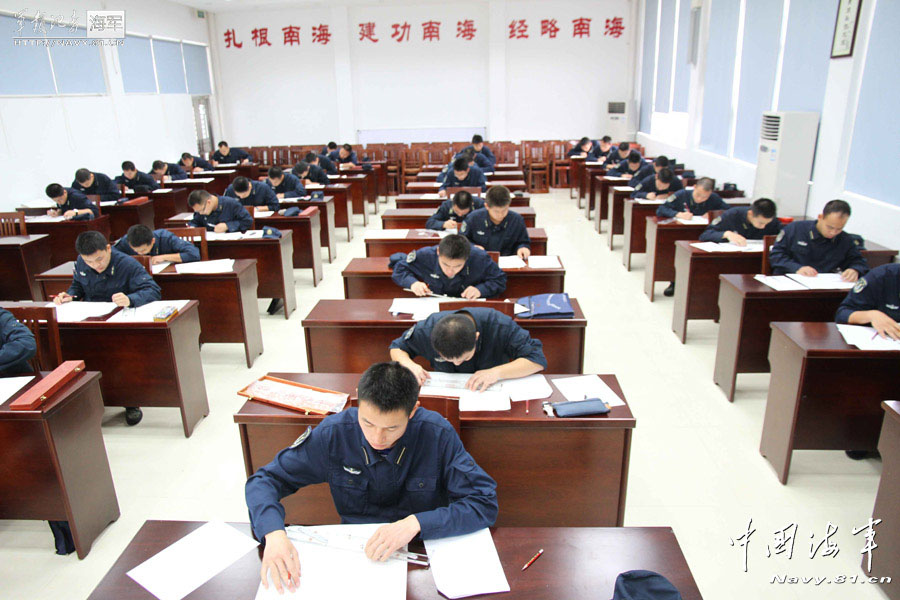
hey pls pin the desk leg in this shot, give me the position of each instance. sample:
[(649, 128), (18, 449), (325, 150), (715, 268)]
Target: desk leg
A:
[(287, 277), (184, 338), (728, 346), (650, 267), (682, 289), (253, 343), (783, 403), (627, 236)]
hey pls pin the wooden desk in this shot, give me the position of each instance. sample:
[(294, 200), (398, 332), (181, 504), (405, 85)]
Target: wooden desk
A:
[(371, 278), (229, 312), (586, 183), (21, 258), (357, 192), (432, 175), (423, 200), (54, 462), (370, 183), (417, 218), (568, 567), (123, 216), (615, 211), (327, 223), (347, 336), (155, 364), (343, 204), (887, 502), (588, 458), (222, 178), (426, 187), (167, 202), (63, 234), (601, 187), (661, 236), (419, 238), (307, 235), (241, 169), (815, 401), (576, 172), (210, 184)]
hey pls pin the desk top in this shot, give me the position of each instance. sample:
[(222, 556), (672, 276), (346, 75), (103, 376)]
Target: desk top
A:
[(59, 399), (748, 287), (534, 233), (578, 562), (422, 196), (378, 265), (824, 339), (21, 240), (525, 211), (891, 409), (64, 271), (101, 322)]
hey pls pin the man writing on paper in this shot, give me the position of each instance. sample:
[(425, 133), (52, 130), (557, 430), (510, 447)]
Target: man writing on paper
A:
[(875, 301), (70, 203), (497, 229), (659, 186), (476, 340), (160, 244), (462, 174), (92, 183), (225, 155), (17, 345), (453, 211), (452, 268), (821, 246), (387, 461), (220, 214), (253, 193), (738, 224)]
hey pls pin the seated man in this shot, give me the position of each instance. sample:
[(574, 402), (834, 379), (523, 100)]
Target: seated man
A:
[(95, 184), (739, 224), (226, 155), (475, 157), (253, 193), (70, 203), (326, 163), (820, 246), (285, 185), (170, 170), (875, 301), (193, 164), (17, 345), (603, 148), (629, 167), (219, 214), (160, 244), (479, 146), (452, 212), (477, 340), (584, 148), (495, 228), (659, 186), (346, 155), (619, 153), (648, 169), (470, 156), (462, 175), (309, 171), (358, 452), (330, 150), (452, 268), (132, 178), (103, 274)]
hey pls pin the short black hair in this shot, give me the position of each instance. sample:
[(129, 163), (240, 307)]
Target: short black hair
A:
[(54, 190), (477, 139), (461, 164), (158, 164), (300, 168), (186, 155), (90, 242), (469, 153), (274, 172), (347, 147), (198, 197), (455, 246), (454, 335), (665, 175), (82, 175), (836, 206), (583, 141), (706, 183), (763, 207), (389, 386), (128, 166), (223, 144), (606, 139), (311, 157), (139, 235), (661, 161), (634, 156), (498, 196), (624, 146), (241, 184), (332, 146), (463, 200)]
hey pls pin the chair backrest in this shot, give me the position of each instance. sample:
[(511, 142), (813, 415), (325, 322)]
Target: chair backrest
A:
[(12, 223), (507, 308), (534, 152), (191, 234), (49, 355), (558, 149), (768, 242), (144, 260)]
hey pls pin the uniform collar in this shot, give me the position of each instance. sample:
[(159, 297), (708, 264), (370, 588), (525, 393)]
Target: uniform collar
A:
[(399, 454)]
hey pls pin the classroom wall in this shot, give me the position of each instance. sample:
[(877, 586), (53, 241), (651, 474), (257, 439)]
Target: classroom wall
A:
[(45, 139), (517, 88)]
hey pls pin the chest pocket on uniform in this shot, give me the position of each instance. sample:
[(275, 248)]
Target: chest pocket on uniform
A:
[(349, 492), (422, 493)]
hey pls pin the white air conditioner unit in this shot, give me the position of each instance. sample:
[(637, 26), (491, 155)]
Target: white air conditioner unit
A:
[(787, 145), (618, 121)]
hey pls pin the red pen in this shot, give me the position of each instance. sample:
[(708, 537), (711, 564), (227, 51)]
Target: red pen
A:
[(533, 558)]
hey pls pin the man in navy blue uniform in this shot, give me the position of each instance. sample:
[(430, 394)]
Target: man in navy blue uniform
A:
[(739, 224), (330, 150), (253, 193), (70, 203), (462, 175), (220, 214), (327, 164), (820, 246), (309, 171), (160, 244), (346, 155), (875, 301), (481, 341), (171, 170), (95, 184), (584, 147), (648, 169), (480, 160), (226, 155), (285, 185), (17, 345), (453, 211), (495, 228), (471, 158), (132, 178), (452, 268), (481, 148), (372, 457), (629, 167), (603, 149), (659, 186), (103, 274), (193, 164), (619, 153)]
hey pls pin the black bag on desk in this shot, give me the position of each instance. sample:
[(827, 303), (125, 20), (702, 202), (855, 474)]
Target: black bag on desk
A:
[(644, 585), (546, 306)]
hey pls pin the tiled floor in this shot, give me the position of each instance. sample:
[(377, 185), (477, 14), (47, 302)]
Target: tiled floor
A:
[(695, 463)]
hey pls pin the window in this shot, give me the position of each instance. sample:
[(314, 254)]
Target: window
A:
[(136, 62), (24, 70), (665, 54), (682, 88), (719, 77), (78, 69), (197, 69), (648, 67), (169, 67), (807, 49)]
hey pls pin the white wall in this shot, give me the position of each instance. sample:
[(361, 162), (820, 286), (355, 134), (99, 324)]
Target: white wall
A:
[(45, 139)]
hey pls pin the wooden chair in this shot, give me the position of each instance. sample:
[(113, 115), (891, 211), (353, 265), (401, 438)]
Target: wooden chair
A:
[(411, 162), (768, 242), (281, 155), (191, 234), (457, 147), (559, 163), (507, 153), (438, 154), (507, 308), (12, 223), (537, 166), (392, 153), (49, 351)]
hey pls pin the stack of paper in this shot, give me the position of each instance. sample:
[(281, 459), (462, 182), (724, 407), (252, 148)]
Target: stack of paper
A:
[(159, 267), (587, 386), (263, 213), (782, 283), (695, 220), (449, 384), (222, 265), (145, 313), (466, 565), (10, 386), (419, 308), (385, 234), (511, 262), (726, 247), (430, 196), (533, 387), (645, 201), (823, 281), (253, 233), (71, 312), (544, 262), (213, 236), (44, 219), (866, 338)]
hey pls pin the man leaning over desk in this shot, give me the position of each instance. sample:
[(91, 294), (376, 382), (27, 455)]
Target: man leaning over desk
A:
[(387, 461)]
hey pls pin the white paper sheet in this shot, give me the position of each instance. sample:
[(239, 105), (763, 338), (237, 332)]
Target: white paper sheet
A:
[(159, 267), (263, 213), (44, 219), (71, 312), (162, 191), (109, 203), (449, 384), (144, 314), (431, 197), (193, 560), (466, 565), (533, 387), (695, 220), (823, 281), (866, 338), (201, 179), (475, 401), (511, 262), (341, 570), (212, 236), (419, 308), (314, 186), (544, 262), (656, 202), (519, 309), (385, 234), (727, 247), (10, 386), (782, 283), (587, 386), (222, 265), (623, 188)]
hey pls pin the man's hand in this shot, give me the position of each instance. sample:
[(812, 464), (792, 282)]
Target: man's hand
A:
[(735, 238), (684, 215), (387, 539), (663, 195), (442, 193), (121, 300), (471, 293), (850, 275), (885, 326), (246, 161), (451, 224), (52, 213), (481, 380), (62, 298), (417, 370), (158, 259), (279, 196), (523, 253), (281, 560), (220, 228), (69, 214), (197, 169), (651, 196), (807, 272), (420, 289)]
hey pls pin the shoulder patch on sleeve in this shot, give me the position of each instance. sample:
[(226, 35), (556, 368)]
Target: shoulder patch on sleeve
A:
[(464, 227), (860, 285), (409, 332), (855, 241), (638, 186), (780, 236), (411, 257), (717, 220), (303, 437)]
